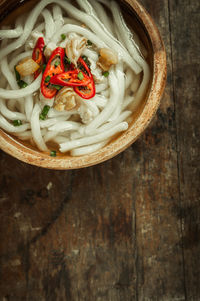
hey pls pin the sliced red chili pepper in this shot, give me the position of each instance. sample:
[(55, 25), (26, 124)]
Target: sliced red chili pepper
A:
[(88, 91), (54, 66), (82, 64), (71, 78), (38, 55)]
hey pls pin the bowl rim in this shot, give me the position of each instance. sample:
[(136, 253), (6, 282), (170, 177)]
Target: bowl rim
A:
[(14, 148)]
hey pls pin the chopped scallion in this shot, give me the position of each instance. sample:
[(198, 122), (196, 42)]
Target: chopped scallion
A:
[(89, 43), (105, 73), (22, 84), (44, 112), (17, 75), (43, 67), (53, 153), (17, 122), (63, 36), (85, 58), (56, 64), (57, 87), (47, 79), (80, 75), (67, 60)]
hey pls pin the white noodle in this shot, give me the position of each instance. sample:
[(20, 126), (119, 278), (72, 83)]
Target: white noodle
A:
[(101, 14), (100, 101), (63, 126), (50, 136), (10, 114), (111, 124), (58, 17), (91, 54), (71, 21), (127, 101), (14, 94), (35, 127), (111, 105), (28, 107), (5, 125), (64, 147), (101, 87), (11, 33), (134, 50), (50, 27), (8, 74), (51, 121), (105, 93), (121, 87), (80, 30), (88, 149), (129, 78), (25, 135)]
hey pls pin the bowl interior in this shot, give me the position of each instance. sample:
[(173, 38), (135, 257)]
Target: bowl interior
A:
[(144, 27)]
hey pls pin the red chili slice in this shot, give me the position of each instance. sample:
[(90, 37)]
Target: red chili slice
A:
[(38, 55), (54, 66), (88, 91), (71, 78), (83, 64)]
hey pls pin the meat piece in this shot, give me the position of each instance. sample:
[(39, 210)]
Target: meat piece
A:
[(107, 58), (74, 47), (66, 100)]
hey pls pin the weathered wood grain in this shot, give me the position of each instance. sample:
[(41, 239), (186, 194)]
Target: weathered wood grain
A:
[(159, 249), (184, 24), (127, 229)]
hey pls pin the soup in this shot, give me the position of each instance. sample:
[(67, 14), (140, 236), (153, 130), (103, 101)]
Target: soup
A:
[(72, 75)]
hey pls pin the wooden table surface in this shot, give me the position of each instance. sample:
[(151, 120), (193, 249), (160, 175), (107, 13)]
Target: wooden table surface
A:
[(127, 229)]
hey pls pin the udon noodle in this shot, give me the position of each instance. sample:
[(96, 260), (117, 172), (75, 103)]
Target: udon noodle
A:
[(91, 29)]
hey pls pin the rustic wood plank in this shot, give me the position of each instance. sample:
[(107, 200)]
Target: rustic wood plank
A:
[(73, 242), (159, 249), (185, 22)]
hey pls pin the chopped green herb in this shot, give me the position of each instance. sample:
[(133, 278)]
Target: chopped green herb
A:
[(57, 87), (53, 153), (43, 67), (56, 64), (17, 75), (22, 84), (80, 75), (85, 58), (81, 67), (47, 79), (17, 122), (44, 47), (44, 112), (105, 73), (89, 43), (67, 60), (63, 36)]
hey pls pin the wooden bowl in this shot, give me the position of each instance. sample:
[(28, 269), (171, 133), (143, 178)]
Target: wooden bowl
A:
[(140, 20)]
